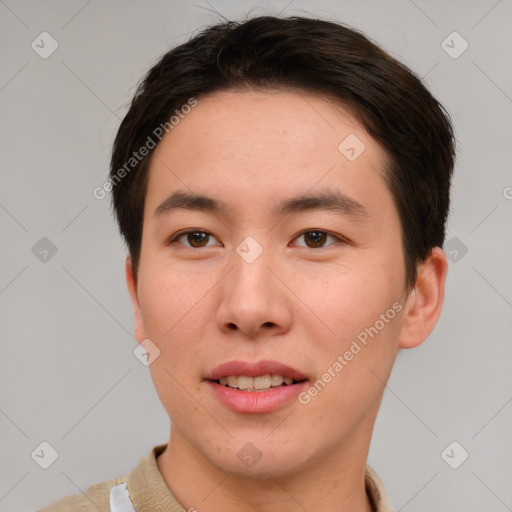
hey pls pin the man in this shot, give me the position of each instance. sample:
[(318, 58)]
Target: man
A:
[(283, 187)]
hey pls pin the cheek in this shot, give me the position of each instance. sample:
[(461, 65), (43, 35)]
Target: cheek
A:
[(353, 367), (351, 299), (172, 323), (364, 308), (175, 312), (165, 296)]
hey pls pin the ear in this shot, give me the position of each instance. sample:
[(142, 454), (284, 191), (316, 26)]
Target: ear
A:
[(131, 283), (425, 301)]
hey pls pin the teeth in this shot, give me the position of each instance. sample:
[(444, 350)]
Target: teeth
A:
[(277, 380), (260, 383), (244, 382), (263, 382)]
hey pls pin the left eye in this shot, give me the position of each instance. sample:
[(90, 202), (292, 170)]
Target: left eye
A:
[(316, 238)]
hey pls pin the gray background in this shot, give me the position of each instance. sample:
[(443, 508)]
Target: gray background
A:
[(68, 375)]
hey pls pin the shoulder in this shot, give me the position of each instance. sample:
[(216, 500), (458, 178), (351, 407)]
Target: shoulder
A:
[(94, 499), (138, 487), (377, 492)]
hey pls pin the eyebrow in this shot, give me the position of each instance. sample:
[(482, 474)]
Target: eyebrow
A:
[(188, 201), (332, 200), (328, 200)]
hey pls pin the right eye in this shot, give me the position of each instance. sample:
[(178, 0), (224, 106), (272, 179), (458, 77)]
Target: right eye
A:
[(193, 238)]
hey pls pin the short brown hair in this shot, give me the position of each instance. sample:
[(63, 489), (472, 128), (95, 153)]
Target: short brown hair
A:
[(312, 55)]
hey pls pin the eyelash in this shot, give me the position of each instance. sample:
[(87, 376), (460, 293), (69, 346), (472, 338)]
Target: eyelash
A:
[(174, 239)]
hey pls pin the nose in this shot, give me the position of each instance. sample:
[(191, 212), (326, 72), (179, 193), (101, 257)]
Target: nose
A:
[(254, 301)]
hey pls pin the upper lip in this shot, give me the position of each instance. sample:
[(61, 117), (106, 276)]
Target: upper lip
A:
[(254, 369)]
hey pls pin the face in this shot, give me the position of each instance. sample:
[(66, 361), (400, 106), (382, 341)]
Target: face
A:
[(289, 265)]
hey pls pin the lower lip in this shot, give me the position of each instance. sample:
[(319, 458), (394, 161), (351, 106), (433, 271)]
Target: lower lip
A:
[(257, 402)]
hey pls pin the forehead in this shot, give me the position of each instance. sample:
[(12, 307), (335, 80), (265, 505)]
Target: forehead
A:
[(269, 144), (273, 121)]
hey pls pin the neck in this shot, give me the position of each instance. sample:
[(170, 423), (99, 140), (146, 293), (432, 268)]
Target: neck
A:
[(334, 482)]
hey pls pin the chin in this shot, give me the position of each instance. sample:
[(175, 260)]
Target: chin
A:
[(258, 459)]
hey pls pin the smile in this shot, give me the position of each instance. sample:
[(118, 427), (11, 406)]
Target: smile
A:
[(256, 387)]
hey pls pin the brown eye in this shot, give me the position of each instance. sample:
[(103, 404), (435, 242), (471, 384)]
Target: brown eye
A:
[(194, 239), (315, 239), (197, 238)]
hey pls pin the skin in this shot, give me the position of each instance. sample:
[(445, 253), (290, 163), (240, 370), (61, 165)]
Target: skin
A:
[(202, 306)]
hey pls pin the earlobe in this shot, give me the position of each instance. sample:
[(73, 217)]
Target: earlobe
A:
[(131, 284), (425, 301)]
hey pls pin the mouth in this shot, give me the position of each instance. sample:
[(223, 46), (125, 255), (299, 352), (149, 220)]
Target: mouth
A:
[(259, 387)]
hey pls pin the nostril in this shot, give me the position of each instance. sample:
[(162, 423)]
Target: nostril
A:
[(232, 326)]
